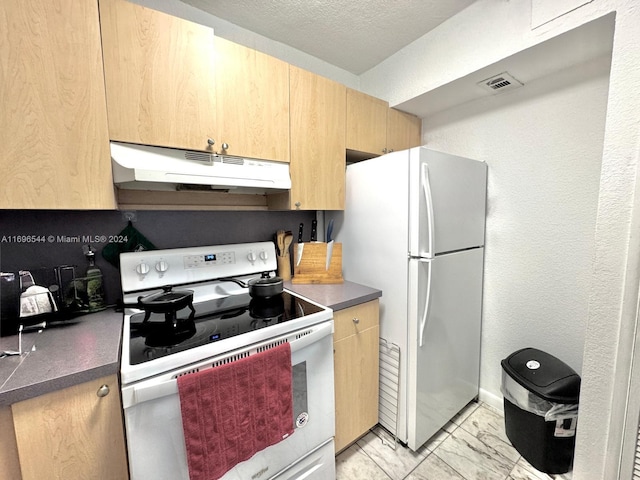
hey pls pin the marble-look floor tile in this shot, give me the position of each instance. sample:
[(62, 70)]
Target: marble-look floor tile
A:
[(433, 468), (385, 437), (524, 471), (433, 443), (472, 458), (396, 463), (450, 427), (465, 413), (354, 464), (488, 426)]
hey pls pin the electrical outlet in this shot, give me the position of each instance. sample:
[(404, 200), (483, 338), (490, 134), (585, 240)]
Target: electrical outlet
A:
[(129, 216)]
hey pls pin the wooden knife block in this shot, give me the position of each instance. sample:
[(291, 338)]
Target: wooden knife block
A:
[(313, 264)]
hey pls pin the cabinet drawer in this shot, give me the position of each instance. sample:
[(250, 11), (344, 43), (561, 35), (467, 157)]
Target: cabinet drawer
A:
[(356, 319)]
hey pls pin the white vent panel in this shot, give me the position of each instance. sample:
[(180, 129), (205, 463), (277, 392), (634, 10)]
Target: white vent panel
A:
[(199, 157), (499, 83)]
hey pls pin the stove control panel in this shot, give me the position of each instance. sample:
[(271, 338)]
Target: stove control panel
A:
[(209, 260), (157, 268)]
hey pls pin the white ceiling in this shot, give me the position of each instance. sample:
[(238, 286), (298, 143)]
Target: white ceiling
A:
[(354, 36)]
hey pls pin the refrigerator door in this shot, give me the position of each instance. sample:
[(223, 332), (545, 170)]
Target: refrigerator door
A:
[(445, 304), (447, 199)]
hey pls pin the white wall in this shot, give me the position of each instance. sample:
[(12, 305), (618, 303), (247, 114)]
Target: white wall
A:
[(485, 33), (543, 145)]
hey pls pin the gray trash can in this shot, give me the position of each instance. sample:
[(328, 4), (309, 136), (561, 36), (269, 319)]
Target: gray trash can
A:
[(541, 396)]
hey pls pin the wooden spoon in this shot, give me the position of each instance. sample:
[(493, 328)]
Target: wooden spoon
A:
[(288, 238), (280, 242)]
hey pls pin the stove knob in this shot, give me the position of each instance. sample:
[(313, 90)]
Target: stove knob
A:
[(162, 266), (142, 268), (252, 257), (264, 256)]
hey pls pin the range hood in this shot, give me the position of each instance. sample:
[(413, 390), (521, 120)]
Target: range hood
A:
[(143, 167)]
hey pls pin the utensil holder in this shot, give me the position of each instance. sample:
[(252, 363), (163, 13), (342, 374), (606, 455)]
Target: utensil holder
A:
[(312, 264), (284, 266)]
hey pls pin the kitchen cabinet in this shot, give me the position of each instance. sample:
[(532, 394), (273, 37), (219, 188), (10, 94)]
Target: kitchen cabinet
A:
[(171, 83), (252, 102), (403, 130), (74, 433), (317, 128), (356, 371), (374, 129), (366, 123), (160, 79), (9, 462), (53, 120)]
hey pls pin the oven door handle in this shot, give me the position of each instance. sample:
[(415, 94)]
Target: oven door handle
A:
[(145, 391)]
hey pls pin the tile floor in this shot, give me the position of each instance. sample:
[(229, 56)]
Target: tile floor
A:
[(473, 446)]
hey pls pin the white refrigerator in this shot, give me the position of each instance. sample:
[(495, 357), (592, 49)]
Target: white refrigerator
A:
[(413, 227)]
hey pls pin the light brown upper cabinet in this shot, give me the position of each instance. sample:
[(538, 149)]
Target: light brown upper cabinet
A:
[(53, 120), (160, 79), (374, 129), (403, 130), (366, 123), (252, 102), (318, 123)]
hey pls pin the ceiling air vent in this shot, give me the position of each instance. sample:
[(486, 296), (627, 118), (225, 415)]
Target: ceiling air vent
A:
[(499, 83)]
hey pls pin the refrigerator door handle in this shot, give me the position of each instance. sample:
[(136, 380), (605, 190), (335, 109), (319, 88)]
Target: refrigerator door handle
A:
[(427, 302), (426, 189)]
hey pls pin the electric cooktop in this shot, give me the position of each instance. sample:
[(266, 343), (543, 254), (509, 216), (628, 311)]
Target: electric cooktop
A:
[(210, 321)]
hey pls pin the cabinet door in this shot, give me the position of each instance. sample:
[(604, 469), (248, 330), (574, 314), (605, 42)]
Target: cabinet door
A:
[(356, 386), (252, 101), (318, 122), (9, 462), (356, 370), (53, 120), (366, 123), (159, 77), (72, 434), (403, 131)]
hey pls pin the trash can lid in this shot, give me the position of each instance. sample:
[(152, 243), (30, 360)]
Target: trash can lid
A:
[(544, 375)]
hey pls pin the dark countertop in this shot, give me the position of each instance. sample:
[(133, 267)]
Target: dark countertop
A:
[(337, 296), (88, 347), (66, 353)]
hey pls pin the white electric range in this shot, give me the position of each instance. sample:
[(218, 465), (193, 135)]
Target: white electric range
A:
[(223, 323)]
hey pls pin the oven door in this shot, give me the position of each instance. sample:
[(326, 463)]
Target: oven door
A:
[(153, 421)]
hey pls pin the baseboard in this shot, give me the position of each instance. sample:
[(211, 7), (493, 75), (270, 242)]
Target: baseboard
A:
[(490, 399)]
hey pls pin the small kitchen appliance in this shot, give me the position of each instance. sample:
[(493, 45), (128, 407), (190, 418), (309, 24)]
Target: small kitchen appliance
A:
[(216, 321)]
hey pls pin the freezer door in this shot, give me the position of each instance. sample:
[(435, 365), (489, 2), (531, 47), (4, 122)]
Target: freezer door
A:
[(443, 361), (447, 202)]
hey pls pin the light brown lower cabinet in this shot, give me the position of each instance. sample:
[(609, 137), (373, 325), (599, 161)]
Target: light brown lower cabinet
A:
[(9, 463), (356, 365), (74, 433)]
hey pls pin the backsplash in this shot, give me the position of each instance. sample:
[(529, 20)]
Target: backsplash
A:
[(42, 239)]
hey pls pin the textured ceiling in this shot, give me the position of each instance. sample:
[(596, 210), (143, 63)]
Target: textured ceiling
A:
[(354, 36)]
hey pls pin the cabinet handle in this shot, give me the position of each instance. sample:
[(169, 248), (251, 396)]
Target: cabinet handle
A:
[(356, 320), (384, 150), (103, 391), (211, 141), (225, 146), (297, 204)]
